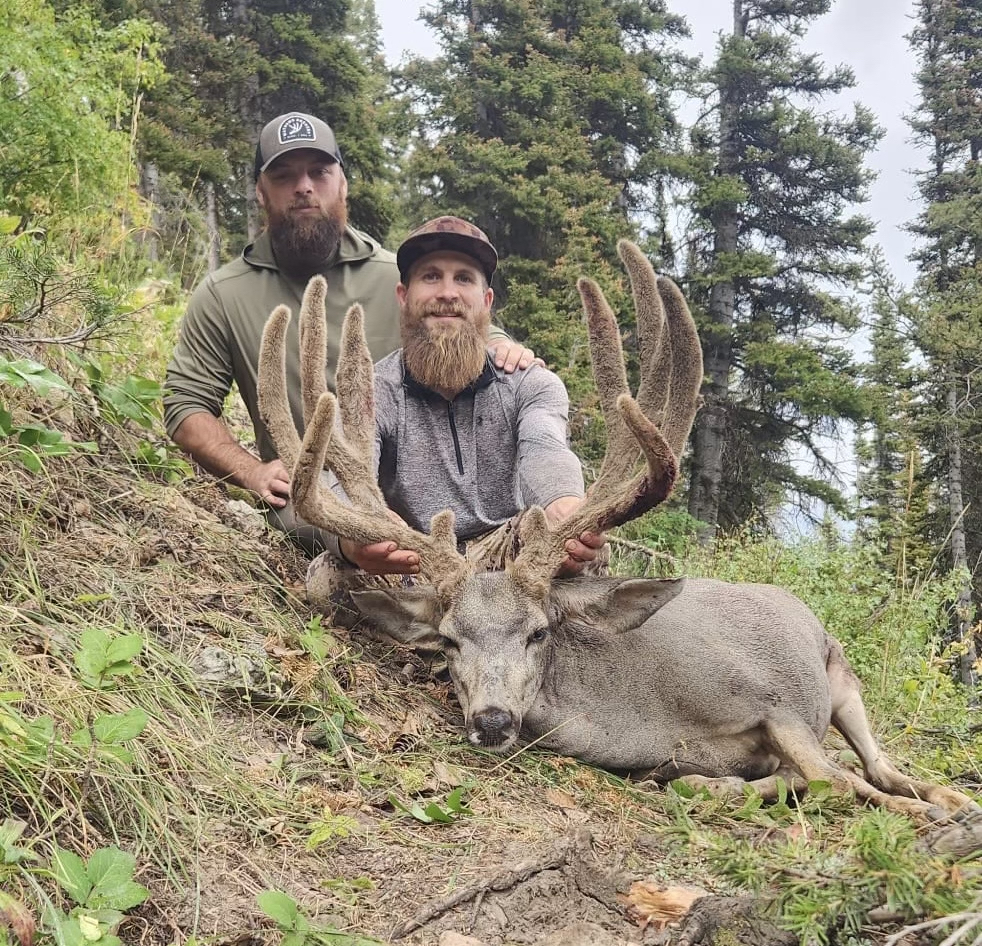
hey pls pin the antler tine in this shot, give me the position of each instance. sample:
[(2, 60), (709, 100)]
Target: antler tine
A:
[(313, 345), (671, 373), (348, 449), (686, 373), (274, 403), (355, 379), (610, 376), (654, 345)]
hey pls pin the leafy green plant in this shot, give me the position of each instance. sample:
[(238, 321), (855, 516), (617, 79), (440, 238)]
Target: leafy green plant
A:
[(101, 888), (450, 811), (101, 659), (298, 930), (11, 831), (134, 398), (330, 828), (30, 444)]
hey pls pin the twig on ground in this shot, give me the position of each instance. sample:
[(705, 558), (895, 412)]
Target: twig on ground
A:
[(505, 880), (968, 921)]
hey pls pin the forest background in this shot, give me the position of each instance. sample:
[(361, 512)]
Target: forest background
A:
[(560, 129), (559, 126)]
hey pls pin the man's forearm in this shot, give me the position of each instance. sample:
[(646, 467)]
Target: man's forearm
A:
[(209, 443)]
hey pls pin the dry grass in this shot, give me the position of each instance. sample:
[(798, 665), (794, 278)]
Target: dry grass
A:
[(230, 778)]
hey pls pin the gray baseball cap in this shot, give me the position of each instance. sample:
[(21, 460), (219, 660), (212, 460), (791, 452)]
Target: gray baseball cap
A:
[(293, 131)]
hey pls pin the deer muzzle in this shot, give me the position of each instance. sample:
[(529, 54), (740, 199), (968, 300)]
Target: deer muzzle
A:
[(493, 729)]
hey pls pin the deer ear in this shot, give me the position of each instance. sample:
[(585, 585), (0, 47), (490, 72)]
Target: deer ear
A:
[(612, 605), (408, 615)]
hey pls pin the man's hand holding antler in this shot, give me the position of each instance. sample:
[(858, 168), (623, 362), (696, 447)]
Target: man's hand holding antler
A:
[(381, 558), (580, 551)]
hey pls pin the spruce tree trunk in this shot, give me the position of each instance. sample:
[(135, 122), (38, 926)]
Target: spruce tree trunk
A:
[(709, 433), (214, 234), (962, 619)]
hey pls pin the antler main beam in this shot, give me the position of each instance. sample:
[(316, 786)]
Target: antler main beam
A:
[(345, 448), (654, 426)]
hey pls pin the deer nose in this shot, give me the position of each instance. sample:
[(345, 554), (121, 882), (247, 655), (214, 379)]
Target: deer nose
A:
[(491, 724)]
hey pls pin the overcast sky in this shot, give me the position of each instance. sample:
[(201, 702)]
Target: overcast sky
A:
[(867, 35)]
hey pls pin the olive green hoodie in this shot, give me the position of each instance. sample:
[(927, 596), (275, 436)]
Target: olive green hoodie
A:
[(221, 332)]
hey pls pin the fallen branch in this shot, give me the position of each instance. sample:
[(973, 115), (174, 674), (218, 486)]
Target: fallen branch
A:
[(641, 549), (503, 881)]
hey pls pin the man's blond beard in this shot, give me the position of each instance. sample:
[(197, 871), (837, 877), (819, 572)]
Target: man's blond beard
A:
[(447, 356)]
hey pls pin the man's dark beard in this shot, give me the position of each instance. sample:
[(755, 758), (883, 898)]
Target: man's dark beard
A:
[(446, 357), (303, 245)]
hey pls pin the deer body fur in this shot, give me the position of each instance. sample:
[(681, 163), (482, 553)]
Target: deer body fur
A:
[(720, 684)]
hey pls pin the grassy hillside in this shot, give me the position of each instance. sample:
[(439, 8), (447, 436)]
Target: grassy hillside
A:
[(189, 754)]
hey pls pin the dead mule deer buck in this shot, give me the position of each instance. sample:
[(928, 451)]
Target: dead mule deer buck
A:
[(716, 683)]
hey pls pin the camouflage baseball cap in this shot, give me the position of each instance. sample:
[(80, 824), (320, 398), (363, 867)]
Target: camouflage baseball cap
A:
[(447, 233), (293, 131)]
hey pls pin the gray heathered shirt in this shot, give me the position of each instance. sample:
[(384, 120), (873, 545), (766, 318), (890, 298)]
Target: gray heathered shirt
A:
[(498, 447)]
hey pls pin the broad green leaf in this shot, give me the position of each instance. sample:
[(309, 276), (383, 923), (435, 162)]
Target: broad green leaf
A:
[(123, 648), (120, 727), (69, 870), (29, 460), (90, 658), (454, 801), (279, 907), (27, 373), (10, 832), (111, 873)]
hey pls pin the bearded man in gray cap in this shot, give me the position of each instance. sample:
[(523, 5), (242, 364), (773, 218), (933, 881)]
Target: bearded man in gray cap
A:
[(302, 188), (453, 431)]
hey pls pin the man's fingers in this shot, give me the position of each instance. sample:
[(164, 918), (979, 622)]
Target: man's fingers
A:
[(594, 540)]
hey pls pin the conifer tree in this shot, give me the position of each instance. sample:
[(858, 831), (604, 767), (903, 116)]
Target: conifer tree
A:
[(948, 43), (894, 496), (230, 67), (773, 242), (546, 123)]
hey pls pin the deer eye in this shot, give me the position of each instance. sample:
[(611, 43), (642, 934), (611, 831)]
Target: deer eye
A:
[(538, 635)]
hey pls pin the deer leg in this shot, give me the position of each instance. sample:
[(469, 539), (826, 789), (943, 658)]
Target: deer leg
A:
[(731, 786), (800, 749), (849, 717)]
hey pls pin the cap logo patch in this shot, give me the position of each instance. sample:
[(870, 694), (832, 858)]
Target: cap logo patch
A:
[(296, 128)]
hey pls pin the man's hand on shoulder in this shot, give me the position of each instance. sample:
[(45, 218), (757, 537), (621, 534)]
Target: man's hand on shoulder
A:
[(511, 355)]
